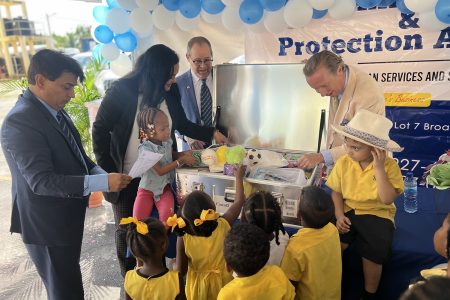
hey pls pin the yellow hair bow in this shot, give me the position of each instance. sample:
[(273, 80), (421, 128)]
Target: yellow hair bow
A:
[(206, 215), (141, 227), (174, 221)]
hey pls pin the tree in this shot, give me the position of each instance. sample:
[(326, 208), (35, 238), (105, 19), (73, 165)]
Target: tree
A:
[(72, 39)]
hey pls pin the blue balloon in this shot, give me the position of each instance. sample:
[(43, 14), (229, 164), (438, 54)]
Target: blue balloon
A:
[(386, 3), (251, 11), (317, 14), (103, 34), (171, 5), (100, 13), (113, 3), (402, 7), (213, 6), (97, 52), (190, 8), (126, 41), (442, 11), (367, 3), (272, 5)]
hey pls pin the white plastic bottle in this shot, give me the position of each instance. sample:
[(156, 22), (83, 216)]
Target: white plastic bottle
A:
[(410, 194)]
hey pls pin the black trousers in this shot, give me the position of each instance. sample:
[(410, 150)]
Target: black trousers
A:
[(123, 209), (59, 269)]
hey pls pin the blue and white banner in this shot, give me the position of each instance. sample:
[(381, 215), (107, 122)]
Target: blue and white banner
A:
[(411, 65)]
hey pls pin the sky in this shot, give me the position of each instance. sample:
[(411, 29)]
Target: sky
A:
[(64, 15)]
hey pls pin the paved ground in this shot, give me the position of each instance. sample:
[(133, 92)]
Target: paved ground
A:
[(18, 277)]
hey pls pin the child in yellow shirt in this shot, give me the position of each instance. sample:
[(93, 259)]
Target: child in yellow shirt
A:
[(312, 260), (147, 240), (365, 183), (201, 233), (246, 251), (262, 209)]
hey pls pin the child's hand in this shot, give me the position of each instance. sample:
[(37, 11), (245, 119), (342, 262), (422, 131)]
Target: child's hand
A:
[(379, 157), (188, 159), (343, 224), (240, 171)]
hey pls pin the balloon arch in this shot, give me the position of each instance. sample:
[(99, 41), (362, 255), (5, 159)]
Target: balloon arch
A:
[(125, 24)]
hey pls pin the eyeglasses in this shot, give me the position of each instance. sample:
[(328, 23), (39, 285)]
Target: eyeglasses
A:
[(198, 62)]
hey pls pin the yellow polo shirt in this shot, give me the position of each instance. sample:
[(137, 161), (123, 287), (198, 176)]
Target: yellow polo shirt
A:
[(268, 284), (359, 188), (313, 259), (166, 286)]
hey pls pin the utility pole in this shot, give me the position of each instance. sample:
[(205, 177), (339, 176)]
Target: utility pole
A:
[(47, 17)]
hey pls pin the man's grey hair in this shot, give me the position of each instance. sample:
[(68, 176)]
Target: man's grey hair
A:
[(325, 58), (198, 40)]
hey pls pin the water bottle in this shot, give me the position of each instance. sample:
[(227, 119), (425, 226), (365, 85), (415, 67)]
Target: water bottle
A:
[(410, 193)]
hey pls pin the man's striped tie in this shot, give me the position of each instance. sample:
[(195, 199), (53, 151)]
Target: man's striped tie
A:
[(206, 104), (69, 137)]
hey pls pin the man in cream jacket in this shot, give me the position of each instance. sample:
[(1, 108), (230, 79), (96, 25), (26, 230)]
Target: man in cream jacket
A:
[(349, 89)]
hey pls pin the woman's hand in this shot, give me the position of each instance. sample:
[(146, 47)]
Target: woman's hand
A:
[(220, 138)]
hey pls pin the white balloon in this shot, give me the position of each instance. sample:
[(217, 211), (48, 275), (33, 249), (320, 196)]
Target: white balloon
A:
[(118, 20), (210, 18), (122, 65), (163, 19), (342, 9), (419, 6), (232, 2), (147, 4), (141, 22), (127, 4), (257, 27), (186, 24), (143, 45), (429, 21), (298, 13), (142, 36), (274, 21), (231, 20), (321, 4), (110, 51)]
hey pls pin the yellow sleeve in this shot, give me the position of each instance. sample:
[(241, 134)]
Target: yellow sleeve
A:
[(290, 290), (291, 263), (335, 178), (222, 295), (394, 175)]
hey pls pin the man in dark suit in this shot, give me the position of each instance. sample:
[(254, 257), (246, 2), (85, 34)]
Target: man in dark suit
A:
[(52, 176), (193, 93)]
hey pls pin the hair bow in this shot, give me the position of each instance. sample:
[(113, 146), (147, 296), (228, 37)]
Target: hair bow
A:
[(174, 221), (206, 215), (141, 227)]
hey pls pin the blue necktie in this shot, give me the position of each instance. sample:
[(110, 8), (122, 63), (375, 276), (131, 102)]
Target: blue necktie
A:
[(206, 104), (69, 137)]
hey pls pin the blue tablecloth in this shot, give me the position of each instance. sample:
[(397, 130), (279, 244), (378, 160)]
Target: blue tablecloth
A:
[(412, 249)]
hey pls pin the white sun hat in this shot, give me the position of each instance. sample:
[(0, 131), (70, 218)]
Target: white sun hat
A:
[(371, 129)]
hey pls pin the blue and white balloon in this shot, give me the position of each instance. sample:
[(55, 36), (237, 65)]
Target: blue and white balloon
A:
[(100, 13), (171, 5), (190, 8), (126, 42), (273, 5), (103, 34), (251, 11), (442, 11), (213, 6)]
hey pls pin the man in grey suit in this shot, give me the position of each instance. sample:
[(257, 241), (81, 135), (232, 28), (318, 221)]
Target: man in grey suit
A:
[(52, 176), (195, 85)]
